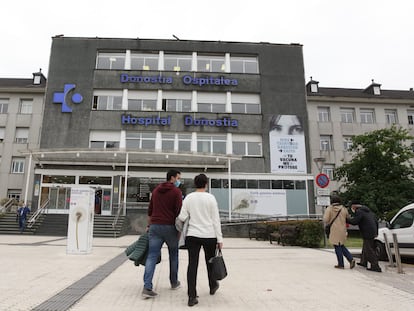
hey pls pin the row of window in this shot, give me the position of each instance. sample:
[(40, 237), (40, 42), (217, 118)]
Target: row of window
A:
[(25, 106), (176, 101), (244, 145), (366, 116), (21, 135), (326, 144), (160, 60)]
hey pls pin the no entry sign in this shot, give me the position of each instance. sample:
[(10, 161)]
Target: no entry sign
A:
[(322, 180)]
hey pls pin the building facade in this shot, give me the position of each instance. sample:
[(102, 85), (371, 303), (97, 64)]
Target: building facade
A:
[(120, 112), (21, 109), (337, 114)]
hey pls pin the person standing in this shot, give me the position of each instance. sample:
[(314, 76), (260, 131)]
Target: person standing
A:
[(22, 215), (204, 230), (336, 215), (164, 207), (368, 225)]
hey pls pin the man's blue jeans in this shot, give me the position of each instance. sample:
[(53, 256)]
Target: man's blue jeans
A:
[(158, 234)]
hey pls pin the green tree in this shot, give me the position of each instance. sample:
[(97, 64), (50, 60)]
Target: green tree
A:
[(380, 173)]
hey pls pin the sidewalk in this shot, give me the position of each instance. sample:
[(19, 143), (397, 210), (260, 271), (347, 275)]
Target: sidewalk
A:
[(262, 276)]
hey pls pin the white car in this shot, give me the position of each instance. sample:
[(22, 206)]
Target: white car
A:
[(402, 224)]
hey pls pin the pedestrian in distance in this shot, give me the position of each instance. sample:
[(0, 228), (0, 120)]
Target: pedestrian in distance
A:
[(200, 208), (164, 207), (336, 215), (368, 226), (22, 213)]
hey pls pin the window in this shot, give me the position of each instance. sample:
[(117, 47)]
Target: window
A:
[(59, 179), (111, 61), (104, 139), (244, 64), (347, 142), (167, 142), (2, 134), (142, 104), (328, 169), (391, 116), (177, 62), (22, 135), (14, 194), (211, 63), (184, 142), (326, 142), (323, 114), (211, 143), (4, 105), (245, 103), (140, 61), (176, 101), (403, 220), (367, 116), (107, 102), (26, 106), (410, 114), (17, 165), (140, 140), (211, 102), (347, 115), (247, 145)]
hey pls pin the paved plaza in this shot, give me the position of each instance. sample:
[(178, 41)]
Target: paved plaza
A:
[(37, 274)]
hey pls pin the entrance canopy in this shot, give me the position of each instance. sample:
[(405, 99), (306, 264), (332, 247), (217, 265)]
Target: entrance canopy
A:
[(118, 157)]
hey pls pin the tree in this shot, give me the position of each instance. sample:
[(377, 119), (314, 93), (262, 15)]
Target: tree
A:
[(380, 174)]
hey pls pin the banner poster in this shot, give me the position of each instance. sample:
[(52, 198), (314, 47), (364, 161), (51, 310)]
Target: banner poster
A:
[(287, 144), (271, 202)]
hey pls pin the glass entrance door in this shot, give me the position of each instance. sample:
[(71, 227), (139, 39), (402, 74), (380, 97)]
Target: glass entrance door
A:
[(106, 202)]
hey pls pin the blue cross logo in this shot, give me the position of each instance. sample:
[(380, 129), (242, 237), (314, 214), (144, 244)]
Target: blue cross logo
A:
[(60, 98)]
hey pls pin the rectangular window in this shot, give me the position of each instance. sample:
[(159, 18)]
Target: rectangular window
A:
[(4, 105), (245, 103), (184, 142), (177, 62), (104, 139), (247, 145), (211, 143), (110, 61), (22, 135), (58, 179), (107, 102), (167, 142), (2, 134), (347, 143), (211, 102), (324, 114), (26, 106), (410, 114), (244, 64), (328, 169), (325, 142), (367, 116), (347, 115), (147, 61), (391, 116), (138, 140), (17, 166), (14, 194), (207, 63), (142, 104)]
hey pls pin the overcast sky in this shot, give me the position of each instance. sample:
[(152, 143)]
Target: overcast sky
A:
[(345, 43)]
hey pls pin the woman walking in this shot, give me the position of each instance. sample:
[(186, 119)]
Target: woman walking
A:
[(336, 215), (204, 230)]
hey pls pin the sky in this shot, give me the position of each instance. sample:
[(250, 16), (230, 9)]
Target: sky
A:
[(345, 43)]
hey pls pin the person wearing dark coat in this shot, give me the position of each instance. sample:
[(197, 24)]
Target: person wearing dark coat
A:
[(368, 226)]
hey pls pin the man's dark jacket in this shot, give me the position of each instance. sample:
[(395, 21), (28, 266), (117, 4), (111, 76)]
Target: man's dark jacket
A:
[(367, 222)]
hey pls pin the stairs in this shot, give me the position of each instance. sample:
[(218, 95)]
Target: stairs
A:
[(57, 225), (9, 225)]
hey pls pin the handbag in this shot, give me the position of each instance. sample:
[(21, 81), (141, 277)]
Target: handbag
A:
[(328, 226), (218, 267)]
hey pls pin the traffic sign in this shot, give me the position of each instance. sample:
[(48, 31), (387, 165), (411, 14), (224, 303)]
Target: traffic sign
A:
[(322, 180)]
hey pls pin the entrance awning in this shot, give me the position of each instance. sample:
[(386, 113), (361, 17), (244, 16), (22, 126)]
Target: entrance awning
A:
[(118, 157)]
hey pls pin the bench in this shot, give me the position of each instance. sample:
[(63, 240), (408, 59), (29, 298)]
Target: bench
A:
[(258, 232)]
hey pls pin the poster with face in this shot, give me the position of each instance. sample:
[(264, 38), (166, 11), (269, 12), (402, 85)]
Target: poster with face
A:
[(287, 144)]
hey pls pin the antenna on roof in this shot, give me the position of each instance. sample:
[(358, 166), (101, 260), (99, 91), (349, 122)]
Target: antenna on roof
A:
[(176, 38)]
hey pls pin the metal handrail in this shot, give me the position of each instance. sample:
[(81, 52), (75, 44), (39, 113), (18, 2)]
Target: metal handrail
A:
[(7, 205), (36, 215), (117, 217)]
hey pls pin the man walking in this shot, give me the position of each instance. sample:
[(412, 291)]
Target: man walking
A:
[(164, 207), (368, 225), (22, 215)]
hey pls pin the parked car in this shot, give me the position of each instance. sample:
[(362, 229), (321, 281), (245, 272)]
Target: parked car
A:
[(402, 224)]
